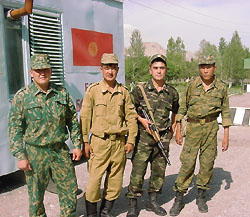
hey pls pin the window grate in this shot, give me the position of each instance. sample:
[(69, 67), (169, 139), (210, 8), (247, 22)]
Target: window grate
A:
[(45, 33)]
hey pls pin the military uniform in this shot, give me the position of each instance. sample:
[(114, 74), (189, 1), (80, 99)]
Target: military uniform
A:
[(202, 108), (41, 121), (108, 116), (146, 150)]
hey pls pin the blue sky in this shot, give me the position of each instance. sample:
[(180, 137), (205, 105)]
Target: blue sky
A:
[(192, 20)]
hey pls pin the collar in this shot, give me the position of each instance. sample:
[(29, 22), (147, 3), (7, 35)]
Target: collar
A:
[(151, 86), (213, 84), (104, 88), (37, 90)]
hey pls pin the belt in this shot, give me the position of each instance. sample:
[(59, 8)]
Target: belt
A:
[(113, 136), (201, 121)]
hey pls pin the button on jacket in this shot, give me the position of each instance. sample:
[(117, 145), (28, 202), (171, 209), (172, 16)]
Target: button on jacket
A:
[(104, 112), (42, 119), (198, 103)]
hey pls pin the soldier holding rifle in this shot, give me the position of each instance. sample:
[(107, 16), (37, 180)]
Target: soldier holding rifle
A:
[(162, 99)]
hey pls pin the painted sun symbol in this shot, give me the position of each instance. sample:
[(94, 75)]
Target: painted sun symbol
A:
[(93, 49)]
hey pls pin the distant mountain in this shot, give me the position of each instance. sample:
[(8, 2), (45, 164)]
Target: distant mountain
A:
[(152, 48)]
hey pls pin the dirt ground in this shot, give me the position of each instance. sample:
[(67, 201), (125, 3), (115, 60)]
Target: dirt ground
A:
[(230, 186)]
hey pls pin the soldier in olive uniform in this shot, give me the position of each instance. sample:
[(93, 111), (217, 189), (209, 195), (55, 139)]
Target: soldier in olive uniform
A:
[(204, 99), (40, 117), (108, 114), (163, 99)]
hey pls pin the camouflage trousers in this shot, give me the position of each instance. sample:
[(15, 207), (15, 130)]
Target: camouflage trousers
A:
[(146, 151), (56, 160), (200, 139), (108, 157)]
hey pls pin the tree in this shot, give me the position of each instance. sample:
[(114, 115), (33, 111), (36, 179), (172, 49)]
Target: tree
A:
[(176, 58), (136, 48), (136, 64), (220, 67), (207, 49), (234, 56)]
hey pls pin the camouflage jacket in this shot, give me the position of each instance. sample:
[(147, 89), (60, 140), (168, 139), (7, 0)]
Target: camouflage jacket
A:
[(198, 103), (104, 112), (161, 102), (41, 119)]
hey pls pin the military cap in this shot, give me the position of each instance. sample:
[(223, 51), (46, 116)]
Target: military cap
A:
[(40, 61), (109, 58), (158, 56), (206, 60)]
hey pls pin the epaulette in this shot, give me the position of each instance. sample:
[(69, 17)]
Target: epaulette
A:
[(141, 83), (123, 85), (93, 85), (21, 90)]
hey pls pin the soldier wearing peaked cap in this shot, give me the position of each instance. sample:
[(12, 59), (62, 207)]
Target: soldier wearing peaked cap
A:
[(204, 99), (163, 99), (108, 114), (39, 117)]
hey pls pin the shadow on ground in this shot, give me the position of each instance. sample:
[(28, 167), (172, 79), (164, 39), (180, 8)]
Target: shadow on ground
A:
[(12, 181), (220, 176), (17, 179), (121, 204)]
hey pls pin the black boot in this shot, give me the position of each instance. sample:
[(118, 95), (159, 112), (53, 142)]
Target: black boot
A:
[(178, 204), (106, 207), (201, 201), (91, 209), (152, 205), (132, 208)]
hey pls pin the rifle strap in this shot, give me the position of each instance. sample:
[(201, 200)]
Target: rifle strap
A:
[(147, 102)]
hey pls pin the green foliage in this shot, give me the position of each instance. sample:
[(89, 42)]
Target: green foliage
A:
[(233, 57), (136, 48), (229, 58), (176, 58), (136, 64)]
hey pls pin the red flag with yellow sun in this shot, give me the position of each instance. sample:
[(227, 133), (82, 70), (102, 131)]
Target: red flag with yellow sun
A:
[(88, 46)]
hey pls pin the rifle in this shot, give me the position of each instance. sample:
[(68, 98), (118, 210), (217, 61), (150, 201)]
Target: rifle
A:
[(155, 135)]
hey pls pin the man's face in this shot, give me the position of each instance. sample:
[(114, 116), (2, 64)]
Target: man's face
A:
[(109, 72), (158, 70), (41, 76), (207, 71)]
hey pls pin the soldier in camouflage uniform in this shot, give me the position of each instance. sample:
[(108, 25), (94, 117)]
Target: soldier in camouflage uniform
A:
[(163, 99), (108, 114), (40, 117), (204, 99)]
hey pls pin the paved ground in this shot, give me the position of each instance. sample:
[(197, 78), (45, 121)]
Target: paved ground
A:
[(240, 101), (228, 197)]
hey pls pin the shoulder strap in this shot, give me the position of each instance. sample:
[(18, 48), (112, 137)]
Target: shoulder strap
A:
[(192, 89), (147, 103)]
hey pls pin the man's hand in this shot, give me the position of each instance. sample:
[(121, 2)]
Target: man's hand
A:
[(145, 123), (24, 165), (128, 148), (87, 149), (225, 141), (77, 153), (178, 136)]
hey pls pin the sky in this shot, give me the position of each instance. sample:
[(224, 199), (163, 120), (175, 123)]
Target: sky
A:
[(191, 20)]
